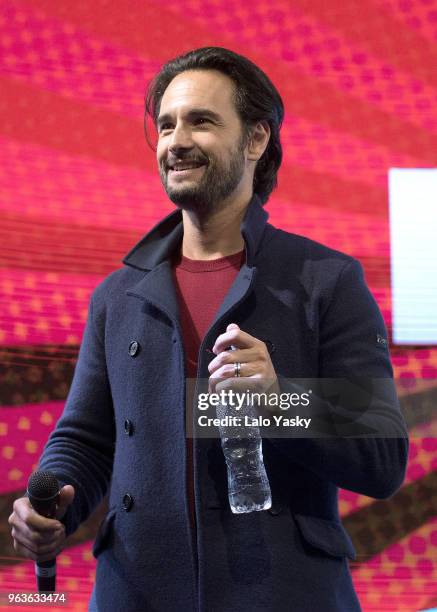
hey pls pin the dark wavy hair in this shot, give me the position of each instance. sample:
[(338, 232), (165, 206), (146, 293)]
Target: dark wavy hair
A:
[(256, 99)]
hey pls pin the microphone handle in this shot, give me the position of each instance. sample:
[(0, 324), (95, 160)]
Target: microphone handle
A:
[(45, 571)]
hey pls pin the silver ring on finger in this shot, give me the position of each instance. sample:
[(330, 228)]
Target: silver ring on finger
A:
[(237, 368)]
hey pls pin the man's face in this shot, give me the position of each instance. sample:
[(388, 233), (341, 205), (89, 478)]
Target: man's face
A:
[(201, 148)]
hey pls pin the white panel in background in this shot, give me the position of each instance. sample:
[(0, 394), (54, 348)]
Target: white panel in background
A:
[(413, 238)]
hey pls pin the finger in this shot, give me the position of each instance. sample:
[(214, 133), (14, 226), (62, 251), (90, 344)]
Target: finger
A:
[(66, 496), (23, 548), (239, 355), (240, 386), (248, 382), (26, 513), (24, 551), (38, 550), (228, 370), (227, 380), (37, 537), (236, 337), (34, 540)]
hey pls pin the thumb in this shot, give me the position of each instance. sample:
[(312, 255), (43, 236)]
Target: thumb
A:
[(66, 496), (232, 326)]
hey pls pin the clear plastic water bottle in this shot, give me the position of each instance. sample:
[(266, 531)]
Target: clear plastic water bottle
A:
[(248, 484)]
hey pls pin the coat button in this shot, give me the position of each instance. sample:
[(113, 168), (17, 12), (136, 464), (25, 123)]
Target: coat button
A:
[(275, 509), (128, 427), (134, 348), (128, 501)]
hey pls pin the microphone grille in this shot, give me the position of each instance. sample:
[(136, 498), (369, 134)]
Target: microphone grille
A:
[(43, 485)]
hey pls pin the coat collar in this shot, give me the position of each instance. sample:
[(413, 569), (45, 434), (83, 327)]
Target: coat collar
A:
[(159, 244), (153, 255)]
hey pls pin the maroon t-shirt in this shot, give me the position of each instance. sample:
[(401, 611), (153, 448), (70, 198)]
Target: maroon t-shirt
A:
[(201, 286)]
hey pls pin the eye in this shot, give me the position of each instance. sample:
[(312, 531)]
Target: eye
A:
[(165, 126), (201, 120)]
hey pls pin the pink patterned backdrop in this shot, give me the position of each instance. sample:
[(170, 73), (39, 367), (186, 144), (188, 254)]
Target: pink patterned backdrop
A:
[(79, 186)]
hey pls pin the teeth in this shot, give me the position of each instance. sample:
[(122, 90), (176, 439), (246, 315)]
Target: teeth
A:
[(186, 167)]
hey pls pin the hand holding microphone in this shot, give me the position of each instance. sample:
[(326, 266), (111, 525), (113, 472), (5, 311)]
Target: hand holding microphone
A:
[(36, 528)]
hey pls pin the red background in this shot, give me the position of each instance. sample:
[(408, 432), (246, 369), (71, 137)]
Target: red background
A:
[(79, 186)]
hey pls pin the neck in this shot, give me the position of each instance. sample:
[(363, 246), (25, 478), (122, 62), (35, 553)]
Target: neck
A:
[(217, 236)]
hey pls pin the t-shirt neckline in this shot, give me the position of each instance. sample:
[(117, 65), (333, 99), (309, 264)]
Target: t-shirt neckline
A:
[(205, 265)]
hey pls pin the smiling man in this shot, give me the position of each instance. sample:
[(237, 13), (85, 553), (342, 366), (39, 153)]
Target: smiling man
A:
[(212, 274), (202, 163), (207, 159)]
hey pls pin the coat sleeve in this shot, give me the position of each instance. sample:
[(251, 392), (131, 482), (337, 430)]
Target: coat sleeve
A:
[(80, 450), (353, 344)]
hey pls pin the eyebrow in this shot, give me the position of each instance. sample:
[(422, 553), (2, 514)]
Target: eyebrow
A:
[(192, 114)]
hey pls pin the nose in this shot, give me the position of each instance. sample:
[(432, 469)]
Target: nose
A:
[(181, 138)]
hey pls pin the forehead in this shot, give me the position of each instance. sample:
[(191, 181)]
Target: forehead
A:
[(199, 88)]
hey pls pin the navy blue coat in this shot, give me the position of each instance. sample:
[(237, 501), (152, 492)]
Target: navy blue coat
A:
[(123, 430)]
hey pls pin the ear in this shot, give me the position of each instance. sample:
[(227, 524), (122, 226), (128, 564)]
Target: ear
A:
[(258, 140)]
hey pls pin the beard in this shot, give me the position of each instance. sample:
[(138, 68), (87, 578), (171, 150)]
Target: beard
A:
[(218, 181)]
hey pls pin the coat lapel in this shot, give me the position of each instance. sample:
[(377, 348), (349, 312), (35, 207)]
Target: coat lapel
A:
[(237, 292), (252, 229), (157, 288)]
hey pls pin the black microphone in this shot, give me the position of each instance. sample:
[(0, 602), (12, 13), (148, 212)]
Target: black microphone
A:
[(43, 494)]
